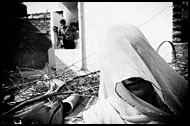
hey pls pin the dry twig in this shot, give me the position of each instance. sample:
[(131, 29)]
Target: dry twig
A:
[(50, 93)]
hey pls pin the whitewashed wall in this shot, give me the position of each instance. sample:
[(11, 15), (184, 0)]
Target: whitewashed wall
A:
[(99, 15)]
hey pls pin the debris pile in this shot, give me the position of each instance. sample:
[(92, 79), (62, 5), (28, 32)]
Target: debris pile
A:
[(27, 87)]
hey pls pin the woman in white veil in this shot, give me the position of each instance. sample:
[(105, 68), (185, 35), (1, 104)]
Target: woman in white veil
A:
[(136, 84)]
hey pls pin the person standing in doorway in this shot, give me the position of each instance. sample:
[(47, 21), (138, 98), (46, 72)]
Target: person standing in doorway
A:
[(62, 31), (71, 36), (56, 37)]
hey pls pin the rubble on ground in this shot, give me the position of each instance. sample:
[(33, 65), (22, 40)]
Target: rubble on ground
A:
[(28, 87)]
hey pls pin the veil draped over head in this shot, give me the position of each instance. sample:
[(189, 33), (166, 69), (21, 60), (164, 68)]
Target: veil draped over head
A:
[(124, 52)]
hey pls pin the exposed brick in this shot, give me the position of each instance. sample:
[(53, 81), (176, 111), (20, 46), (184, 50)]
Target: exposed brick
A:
[(179, 38), (177, 33), (176, 39), (33, 41)]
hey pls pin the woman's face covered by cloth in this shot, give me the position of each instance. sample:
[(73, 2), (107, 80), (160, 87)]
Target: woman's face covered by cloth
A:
[(126, 56), (138, 86)]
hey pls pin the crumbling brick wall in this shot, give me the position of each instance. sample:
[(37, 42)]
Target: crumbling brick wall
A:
[(180, 41), (32, 36)]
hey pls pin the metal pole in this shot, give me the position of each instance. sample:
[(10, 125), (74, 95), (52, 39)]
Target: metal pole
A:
[(51, 51), (82, 34)]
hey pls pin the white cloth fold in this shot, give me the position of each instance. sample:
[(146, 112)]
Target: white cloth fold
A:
[(124, 53)]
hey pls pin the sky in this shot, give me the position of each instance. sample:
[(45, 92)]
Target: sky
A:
[(38, 7)]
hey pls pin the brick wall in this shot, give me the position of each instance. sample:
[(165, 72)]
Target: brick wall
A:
[(180, 40), (32, 38)]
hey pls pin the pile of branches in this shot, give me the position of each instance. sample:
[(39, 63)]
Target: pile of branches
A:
[(28, 87)]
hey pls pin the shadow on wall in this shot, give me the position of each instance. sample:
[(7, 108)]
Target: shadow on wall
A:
[(27, 43), (61, 65)]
